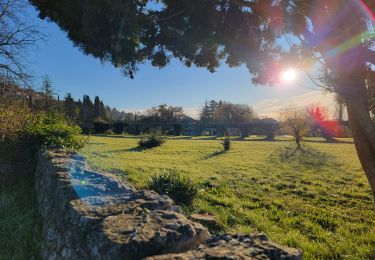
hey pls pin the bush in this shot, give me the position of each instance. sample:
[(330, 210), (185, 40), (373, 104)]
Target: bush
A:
[(226, 144), (177, 129), (155, 139), (52, 131), (14, 119), (181, 189), (118, 127), (101, 126), (87, 127)]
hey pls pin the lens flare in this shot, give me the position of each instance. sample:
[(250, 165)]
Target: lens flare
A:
[(288, 75)]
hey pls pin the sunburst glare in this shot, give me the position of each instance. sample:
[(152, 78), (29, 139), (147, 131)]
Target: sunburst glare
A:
[(288, 75)]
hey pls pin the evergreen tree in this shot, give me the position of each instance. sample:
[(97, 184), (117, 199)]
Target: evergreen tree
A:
[(213, 105), (97, 111), (205, 113), (71, 108), (107, 112), (79, 106), (48, 92), (87, 114), (104, 113)]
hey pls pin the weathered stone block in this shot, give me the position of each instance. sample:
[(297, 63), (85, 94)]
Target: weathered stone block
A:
[(98, 217), (253, 246)]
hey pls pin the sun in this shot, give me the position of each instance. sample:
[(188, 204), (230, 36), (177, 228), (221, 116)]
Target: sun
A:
[(288, 75)]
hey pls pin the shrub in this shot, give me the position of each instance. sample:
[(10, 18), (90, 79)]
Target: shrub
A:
[(14, 119), (101, 126), (52, 131), (87, 127), (181, 189), (177, 129), (118, 127), (155, 139), (226, 144)]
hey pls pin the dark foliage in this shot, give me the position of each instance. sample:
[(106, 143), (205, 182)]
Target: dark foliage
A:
[(163, 113), (226, 112), (197, 32), (181, 189), (118, 127), (226, 144), (102, 127), (177, 129), (155, 139), (71, 109)]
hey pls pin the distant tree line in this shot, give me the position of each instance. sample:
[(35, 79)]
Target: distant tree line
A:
[(226, 112), (94, 116)]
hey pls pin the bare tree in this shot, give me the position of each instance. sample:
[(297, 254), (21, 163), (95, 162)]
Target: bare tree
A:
[(17, 35), (295, 121)]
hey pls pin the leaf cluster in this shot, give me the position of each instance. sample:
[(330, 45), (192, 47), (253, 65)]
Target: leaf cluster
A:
[(181, 189)]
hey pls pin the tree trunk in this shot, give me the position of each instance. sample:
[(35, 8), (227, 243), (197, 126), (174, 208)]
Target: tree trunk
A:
[(363, 132), (298, 142)]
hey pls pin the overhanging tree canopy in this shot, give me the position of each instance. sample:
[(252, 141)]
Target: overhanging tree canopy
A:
[(335, 33)]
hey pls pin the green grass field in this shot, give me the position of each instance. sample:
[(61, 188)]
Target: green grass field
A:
[(319, 201), (20, 227)]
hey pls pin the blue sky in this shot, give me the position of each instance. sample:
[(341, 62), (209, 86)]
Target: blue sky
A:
[(72, 71)]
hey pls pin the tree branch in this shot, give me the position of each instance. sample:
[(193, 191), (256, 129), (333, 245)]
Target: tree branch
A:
[(242, 3), (162, 19), (370, 56)]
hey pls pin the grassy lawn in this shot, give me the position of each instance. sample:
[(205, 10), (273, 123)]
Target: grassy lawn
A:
[(319, 201), (20, 229)]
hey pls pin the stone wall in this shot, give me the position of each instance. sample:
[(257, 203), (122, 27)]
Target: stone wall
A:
[(87, 221)]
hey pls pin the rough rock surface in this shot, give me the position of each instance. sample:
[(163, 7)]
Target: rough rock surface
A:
[(206, 220), (255, 246), (103, 224), (90, 215)]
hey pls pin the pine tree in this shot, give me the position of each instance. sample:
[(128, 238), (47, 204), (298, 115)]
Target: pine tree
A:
[(107, 112), (97, 108), (213, 106), (48, 92), (71, 109), (104, 113), (205, 113), (87, 111)]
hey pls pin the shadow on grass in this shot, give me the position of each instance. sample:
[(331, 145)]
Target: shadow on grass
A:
[(181, 137), (267, 139), (108, 135), (97, 143), (138, 149), (214, 154), (206, 138), (309, 157), (98, 154), (118, 136), (133, 149), (329, 141)]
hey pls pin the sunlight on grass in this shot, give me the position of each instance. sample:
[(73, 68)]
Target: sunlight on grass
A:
[(319, 201)]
